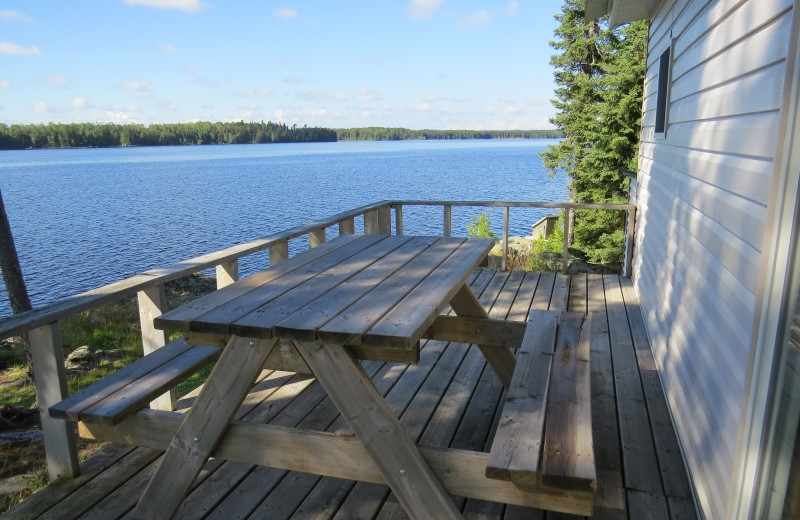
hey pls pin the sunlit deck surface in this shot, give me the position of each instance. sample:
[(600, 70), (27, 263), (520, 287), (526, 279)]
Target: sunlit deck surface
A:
[(449, 399)]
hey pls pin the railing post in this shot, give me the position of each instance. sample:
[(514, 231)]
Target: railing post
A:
[(385, 220), (371, 222), (47, 352), (631, 233), (504, 260), (347, 226), (152, 303), (448, 221), (278, 252), (565, 251), (398, 220), (316, 237), (227, 273)]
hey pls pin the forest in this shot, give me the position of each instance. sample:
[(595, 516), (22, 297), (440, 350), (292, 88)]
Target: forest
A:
[(374, 133), (104, 135)]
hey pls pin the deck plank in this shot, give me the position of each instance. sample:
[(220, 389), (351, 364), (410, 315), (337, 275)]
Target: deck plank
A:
[(638, 451), (610, 502), (673, 474)]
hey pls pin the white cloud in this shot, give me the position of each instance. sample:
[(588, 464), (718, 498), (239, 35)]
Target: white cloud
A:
[(366, 94), (79, 102), (423, 9), (41, 108), (165, 107), (475, 20), (316, 113), (141, 89), (119, 117), (341, 96), (294, 80), (285, 13), (12, 49), (366, 114), (511, 109), (5, 83), (57, 80), (315, 95), (190, 69), (513, 9), (422, 107), (189, 6), (8, 15), (166, 48), (259, 92)]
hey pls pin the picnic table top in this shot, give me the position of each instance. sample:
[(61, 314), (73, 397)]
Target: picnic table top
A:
[(371, 290)]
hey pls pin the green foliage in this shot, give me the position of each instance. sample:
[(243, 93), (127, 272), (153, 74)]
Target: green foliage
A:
[(599, 76), (480, 227), (396, 134), (546, 252), (58, 135)]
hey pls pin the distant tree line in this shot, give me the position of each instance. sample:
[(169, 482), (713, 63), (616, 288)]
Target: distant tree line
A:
[(374, 133), (101, 135), (104, 135)]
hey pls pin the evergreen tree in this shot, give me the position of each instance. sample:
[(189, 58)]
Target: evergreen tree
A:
[(599, 75)]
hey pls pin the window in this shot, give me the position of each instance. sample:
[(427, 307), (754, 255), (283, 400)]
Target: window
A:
[(663, 88)]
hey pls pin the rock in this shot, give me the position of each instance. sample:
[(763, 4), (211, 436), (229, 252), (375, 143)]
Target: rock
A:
[(15, 484), (86, 358)]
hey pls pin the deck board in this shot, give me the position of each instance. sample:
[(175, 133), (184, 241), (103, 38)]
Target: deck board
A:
[(449, 399)]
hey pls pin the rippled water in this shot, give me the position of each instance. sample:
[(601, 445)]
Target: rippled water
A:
[(86, 217)]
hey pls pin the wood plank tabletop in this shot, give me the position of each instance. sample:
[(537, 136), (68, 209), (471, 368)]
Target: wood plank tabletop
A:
[(377, 290)]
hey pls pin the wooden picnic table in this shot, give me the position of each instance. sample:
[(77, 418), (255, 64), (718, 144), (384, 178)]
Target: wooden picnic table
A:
[(321, 312), (370, 296)]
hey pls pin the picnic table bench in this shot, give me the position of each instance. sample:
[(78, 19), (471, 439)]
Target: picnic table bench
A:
[(372, 297)]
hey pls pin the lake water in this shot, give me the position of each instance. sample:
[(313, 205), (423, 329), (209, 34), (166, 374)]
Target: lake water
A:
[(82, 218)]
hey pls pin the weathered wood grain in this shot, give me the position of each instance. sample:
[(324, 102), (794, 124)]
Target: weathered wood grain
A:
[(517, 447), (180, 318), (350, 326), (139, 392), (206, 422), (568, 451), (304, 323)]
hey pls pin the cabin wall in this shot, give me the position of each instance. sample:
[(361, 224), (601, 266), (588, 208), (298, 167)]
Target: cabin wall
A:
[(703, 190)]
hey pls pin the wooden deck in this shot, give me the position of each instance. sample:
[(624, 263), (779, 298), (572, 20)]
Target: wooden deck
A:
[(450, 398)]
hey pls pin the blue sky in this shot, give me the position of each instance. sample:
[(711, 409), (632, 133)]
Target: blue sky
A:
[(445, 64)]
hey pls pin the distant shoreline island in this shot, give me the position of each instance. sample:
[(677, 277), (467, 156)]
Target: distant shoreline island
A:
[(112, 135)]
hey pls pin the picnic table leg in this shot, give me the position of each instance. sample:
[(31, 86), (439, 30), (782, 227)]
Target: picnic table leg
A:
[(502, 360), (203, 427), (395, 454)]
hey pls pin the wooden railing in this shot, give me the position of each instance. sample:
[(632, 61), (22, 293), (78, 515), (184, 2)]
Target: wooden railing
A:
[(42, 324)]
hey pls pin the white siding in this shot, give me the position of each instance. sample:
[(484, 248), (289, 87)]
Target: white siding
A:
[(702, 195)]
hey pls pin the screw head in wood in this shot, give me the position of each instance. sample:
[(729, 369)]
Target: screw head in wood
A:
[(318, 347)]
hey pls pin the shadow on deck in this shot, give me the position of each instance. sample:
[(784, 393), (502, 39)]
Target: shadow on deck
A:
[(450, 399)]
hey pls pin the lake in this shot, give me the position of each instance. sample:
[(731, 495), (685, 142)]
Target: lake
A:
[(82, 218)]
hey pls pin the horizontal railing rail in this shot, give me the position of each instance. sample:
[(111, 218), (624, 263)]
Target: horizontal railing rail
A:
[(42, 324)]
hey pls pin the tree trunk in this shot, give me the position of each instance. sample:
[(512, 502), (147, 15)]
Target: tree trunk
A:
[(12, 276)]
